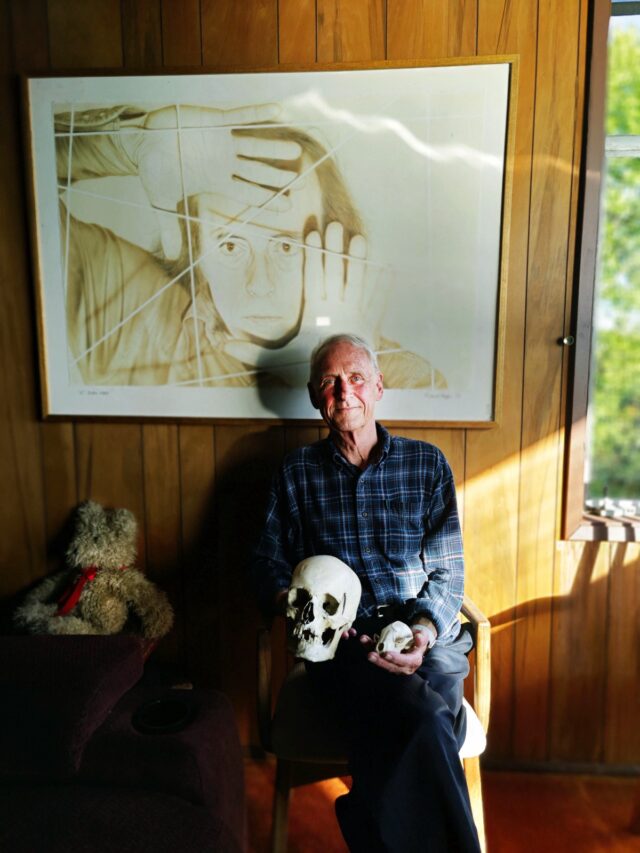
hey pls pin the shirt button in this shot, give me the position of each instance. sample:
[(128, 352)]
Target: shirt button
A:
[(365, 514), (367, 550)]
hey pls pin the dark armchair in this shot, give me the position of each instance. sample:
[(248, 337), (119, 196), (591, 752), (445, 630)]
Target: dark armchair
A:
[(77, 775)]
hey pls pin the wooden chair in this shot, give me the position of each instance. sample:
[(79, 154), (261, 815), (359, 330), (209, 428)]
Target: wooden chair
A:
[(309, 747)]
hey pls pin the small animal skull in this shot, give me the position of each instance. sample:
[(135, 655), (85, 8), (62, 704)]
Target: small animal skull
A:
[(322, 603), (395, 637)]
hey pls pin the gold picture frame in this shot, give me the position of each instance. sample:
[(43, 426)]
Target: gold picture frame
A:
[(195, 234)]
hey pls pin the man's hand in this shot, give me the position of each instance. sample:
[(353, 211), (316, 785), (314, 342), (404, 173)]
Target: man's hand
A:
[(400, 663)]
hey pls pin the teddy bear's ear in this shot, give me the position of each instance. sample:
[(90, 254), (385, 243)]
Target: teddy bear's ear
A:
[(123, 523), (90, 514)]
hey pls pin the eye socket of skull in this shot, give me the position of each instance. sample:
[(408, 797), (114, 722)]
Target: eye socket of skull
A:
[(298, 597), (330, 604)]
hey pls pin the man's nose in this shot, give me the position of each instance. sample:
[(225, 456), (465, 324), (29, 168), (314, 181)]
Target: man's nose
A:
[(259, 282), (341, 388)]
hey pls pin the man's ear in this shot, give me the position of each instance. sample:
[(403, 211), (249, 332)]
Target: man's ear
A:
[(379, 387), (312, 396)]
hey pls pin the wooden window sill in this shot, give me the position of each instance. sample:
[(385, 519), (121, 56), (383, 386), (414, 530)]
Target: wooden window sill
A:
[(596, 528)]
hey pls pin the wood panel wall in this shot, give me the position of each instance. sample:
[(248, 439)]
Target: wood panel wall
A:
[(565, 660)]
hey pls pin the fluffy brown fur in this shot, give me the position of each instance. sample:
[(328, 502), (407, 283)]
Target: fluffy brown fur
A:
[(119, 598)]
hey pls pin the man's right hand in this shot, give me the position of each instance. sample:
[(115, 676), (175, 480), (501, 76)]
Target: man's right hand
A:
[(398, 663)]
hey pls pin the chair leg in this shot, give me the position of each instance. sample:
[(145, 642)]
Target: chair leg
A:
[(280, 821), (474, 784)]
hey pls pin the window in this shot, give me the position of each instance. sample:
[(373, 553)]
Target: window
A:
[(604, 445)]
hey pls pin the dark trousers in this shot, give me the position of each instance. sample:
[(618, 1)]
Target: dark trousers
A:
[(409, 792)]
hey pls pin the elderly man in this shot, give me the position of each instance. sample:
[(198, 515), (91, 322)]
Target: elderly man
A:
[(386, 506)]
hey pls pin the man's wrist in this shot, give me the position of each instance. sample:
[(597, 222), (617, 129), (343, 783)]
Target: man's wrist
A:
[(428, 629)]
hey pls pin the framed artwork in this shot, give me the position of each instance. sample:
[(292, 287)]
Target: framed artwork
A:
[(197, 234)]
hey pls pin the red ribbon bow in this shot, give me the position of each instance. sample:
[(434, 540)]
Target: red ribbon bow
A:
[(70, 596)]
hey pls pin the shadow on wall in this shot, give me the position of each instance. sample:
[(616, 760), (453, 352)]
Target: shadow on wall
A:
[(221, 615), (590, 640), (56, 548)]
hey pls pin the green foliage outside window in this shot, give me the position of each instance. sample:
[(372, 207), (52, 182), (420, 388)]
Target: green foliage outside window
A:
[(615, 438)]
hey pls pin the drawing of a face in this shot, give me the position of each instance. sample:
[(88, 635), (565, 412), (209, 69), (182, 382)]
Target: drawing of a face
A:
[(255, 270)]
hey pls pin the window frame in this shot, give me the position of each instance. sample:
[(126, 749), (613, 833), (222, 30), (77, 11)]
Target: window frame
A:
[(577, 524)]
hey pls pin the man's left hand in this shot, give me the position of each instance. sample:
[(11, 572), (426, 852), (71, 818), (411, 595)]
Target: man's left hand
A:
[(400, 663)]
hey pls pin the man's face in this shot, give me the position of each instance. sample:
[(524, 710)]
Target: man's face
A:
[(255, 271), (346, 388)]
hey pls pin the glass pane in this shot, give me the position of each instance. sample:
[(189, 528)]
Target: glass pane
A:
[(613, 466), (623, 76)]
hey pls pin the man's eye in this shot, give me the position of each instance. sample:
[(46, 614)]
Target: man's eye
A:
[(285, 248), (326, 383), (233, 250), (356, 378)]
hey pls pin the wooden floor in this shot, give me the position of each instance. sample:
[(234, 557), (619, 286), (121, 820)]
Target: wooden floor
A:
[(537, 813)]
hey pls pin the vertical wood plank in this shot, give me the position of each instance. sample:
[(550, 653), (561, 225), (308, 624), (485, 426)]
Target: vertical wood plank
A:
[(622, 709), (141, 33), (239, 34), (85, 35), (22, 548), (181, 36), (579, 650), (430, 29), (30, 35), (548, 233), (350, 30), (60, 485), (246, 458), (296, 31), (161, 471), (109, 468), (493, 456), (199, 566), (295, 437)]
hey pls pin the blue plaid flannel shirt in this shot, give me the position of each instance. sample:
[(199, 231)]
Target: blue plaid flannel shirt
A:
[(395, 524)]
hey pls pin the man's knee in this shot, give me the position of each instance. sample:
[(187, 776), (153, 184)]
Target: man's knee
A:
[(416, 706)]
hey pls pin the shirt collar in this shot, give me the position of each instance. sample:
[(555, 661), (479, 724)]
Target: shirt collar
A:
[(384, 442)]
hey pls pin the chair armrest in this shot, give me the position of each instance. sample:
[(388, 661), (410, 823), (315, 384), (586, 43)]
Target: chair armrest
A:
[(264, 688), (481, 628)]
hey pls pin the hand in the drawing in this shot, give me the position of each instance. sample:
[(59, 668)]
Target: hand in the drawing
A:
[(340, 295), (215, 152)]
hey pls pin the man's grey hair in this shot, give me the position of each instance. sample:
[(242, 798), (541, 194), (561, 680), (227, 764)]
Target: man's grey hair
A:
[(321, 349)]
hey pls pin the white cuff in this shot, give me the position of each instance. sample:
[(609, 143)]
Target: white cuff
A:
[(430, 632)]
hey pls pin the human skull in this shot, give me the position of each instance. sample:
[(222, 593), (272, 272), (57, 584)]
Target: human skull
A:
[(322, 603), (395, 637)]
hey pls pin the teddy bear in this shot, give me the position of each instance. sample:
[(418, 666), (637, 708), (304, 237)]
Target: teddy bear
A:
[(100, 591)]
